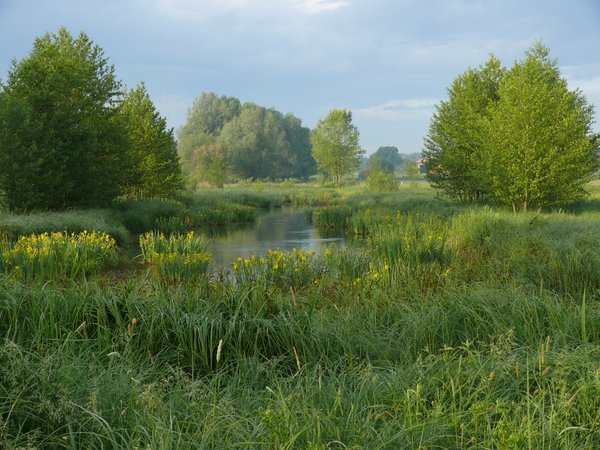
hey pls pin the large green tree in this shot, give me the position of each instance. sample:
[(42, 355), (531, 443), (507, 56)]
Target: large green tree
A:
[(540, 148), (335, 141), (206, 118), (255, 143), (456, 137), (222, 137), (156, 171), (62, 140), (301, 161)]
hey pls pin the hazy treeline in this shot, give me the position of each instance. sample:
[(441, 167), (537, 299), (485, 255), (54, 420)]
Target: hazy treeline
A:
[(223, 138)]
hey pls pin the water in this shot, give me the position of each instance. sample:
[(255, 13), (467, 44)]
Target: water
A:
[(282, 228)]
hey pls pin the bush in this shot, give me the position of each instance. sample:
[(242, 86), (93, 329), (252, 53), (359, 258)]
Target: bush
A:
[(382, 181)]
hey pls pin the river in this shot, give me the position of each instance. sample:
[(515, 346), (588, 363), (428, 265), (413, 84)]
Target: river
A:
[(280, 228)]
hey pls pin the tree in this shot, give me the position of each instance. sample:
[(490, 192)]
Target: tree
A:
[(62, 140), (540, 148), (386, 157), (302, 163), (156, 171), (455, 141), (255, 142), (335, 144), (412, 172), (206, 118)]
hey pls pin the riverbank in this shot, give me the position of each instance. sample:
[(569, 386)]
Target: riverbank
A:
[(453, 327)]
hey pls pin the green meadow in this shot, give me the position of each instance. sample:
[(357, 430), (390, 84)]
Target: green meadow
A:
[(443, 326)]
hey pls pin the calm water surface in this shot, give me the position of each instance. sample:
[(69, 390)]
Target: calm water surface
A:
[(281, 228)]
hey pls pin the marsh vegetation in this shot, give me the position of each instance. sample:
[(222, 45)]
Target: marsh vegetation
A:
[(449, 326)]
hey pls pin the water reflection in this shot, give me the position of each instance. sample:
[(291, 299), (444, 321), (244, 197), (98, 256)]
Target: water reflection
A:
[(283, 228)]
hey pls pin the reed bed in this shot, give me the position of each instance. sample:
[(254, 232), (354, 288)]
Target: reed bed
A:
[(58, 255), (175, 258), (443, 327)]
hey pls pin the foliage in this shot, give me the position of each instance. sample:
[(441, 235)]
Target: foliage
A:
[(539, 147), (517, 137), (156, 171), (221, 136), (12, 225), (335, 144), (387, 158), (206, 118), (146, 214), (213, 165), (456, 138), (176, 258), (63, 143), (381, 180), (412, 171), (59, 255)]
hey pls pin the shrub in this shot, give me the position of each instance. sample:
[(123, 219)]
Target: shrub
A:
[(382, 181)]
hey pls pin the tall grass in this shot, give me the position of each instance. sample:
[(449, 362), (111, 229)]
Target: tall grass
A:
[(58, 255), (176, 258), (73, 221), (448, 327)]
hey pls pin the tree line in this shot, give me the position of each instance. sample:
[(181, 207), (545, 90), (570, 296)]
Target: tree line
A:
[(224, 139), (72, 135)]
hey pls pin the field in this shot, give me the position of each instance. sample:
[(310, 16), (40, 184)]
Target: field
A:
[(446, 326)]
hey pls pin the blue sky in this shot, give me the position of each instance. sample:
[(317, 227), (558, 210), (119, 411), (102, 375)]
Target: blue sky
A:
[(388, 61)]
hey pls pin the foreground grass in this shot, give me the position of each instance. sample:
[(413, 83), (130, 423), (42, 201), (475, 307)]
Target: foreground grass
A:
[(451, 328)]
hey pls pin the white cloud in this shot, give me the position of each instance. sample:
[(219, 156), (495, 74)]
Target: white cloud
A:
[(198, 9), (396, 109), (317, 6)]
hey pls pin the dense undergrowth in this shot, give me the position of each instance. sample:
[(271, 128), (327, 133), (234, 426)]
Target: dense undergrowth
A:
[(446, 327)]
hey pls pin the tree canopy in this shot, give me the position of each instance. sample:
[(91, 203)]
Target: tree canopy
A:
[(246, 141), (455, 142), (540, 149), (335, 143), (518, 137), (156, 171), (206, 118), (68, 136), (385, 158), (62, 141)]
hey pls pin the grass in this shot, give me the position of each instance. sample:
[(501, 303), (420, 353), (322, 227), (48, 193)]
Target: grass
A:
[(483, 336)]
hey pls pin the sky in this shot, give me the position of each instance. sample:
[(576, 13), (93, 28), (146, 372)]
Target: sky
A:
[(388, 61)]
